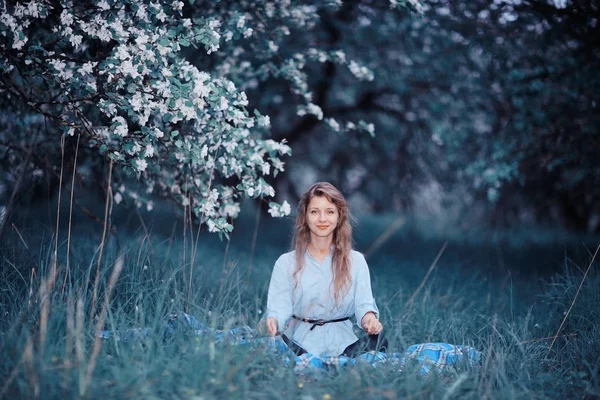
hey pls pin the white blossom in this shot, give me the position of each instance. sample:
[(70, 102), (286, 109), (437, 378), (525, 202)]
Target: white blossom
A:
[(120, 124), (142, 13), (87, 68), (333, 124), (161, 16), (141, 164), (265, 168), (149, 151), (264, 120), (310, 108), (278, 211), (177, 5), (241, 21), (103, 5), (211, 226), (135, 149), (231, 210), (158, 133), (136, 102), (286, 208), (66, 18), (360, 72)]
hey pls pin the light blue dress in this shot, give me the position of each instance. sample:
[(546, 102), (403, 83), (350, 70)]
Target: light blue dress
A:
[(313, 298)]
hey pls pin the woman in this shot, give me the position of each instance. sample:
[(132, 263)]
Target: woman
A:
[(318, 286)]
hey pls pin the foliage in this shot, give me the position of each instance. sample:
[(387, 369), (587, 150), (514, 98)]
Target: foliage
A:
[(159, 88), (470, 108)]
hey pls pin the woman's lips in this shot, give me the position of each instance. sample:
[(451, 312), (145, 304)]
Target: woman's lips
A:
[(322, 226)]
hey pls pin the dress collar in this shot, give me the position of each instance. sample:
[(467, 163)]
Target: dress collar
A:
[(330, 254)]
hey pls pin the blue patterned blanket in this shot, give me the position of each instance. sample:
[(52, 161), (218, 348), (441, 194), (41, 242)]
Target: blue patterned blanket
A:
[(427, 357)]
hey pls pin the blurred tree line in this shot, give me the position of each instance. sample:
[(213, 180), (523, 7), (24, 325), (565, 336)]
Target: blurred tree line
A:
[(484, 111), (477, 111)]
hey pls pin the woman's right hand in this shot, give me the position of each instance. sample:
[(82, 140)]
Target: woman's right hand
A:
[(272, 326)]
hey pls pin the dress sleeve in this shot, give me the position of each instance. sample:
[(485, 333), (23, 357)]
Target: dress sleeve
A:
[(363, 295), (279, 299)]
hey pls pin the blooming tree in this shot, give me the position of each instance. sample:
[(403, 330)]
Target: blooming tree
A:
[(117, 76)]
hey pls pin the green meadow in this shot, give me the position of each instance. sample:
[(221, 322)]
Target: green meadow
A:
[(529, 301)]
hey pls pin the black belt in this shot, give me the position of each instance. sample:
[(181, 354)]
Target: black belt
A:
[(319, 322)]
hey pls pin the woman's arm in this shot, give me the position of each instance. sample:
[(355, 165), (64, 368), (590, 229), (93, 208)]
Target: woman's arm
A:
[(365, 309), (279, 299)]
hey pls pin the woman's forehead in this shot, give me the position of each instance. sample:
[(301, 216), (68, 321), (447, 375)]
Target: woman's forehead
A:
[(320, 202)]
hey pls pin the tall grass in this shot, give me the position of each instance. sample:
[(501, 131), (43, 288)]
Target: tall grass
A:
[(50, 350)]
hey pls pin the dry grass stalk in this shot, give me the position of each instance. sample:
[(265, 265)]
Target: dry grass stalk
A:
[(381, 239), (31, 370), (79, 344), (193, 259), (170, 241), (574, 334), (556, 335), (67, 271), (69, 340), (254, 238), (486, 363), (225, 272), (45, 294), (3, 215), (107, 207), (409, 303), (60, 180), (191, 222), (20, 237), (145, 238), (185, 222), (454, 386), (116, 272), (30, 296)]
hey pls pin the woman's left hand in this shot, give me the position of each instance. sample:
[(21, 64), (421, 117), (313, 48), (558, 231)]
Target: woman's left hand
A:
[(371, 324)]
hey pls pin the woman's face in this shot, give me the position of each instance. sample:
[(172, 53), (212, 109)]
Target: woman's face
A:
[(322, 217)]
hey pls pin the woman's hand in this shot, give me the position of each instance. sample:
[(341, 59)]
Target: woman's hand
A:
[(371, 324), (272, 326)]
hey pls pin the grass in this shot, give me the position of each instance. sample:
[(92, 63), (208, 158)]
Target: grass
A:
[(47, 334)]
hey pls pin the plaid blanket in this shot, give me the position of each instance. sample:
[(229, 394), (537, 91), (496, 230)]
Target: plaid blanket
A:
[(423, 357)]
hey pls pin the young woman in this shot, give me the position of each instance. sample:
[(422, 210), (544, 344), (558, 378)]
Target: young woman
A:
[(317, 287)]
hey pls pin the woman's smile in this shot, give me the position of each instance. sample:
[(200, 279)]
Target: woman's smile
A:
[(322, 217)]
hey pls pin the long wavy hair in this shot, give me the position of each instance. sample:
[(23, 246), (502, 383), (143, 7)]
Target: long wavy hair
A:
[(342, 237)]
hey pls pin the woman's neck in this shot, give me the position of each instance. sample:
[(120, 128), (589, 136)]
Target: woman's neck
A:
[(320, 245)]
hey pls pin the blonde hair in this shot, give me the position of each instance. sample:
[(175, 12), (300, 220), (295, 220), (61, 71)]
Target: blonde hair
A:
[(342, 236)]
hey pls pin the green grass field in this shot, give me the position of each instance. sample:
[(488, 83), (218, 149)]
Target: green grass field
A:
[(506, 300)]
